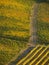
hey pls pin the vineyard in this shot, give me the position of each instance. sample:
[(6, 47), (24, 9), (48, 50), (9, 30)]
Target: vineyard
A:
[(38, 55), (15, 28), (43, 23)]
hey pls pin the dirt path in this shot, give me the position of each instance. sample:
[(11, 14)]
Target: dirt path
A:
[(33, 24)]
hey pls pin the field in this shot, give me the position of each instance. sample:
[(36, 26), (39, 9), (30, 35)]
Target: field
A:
[(14, 28), (43, 23), (37, 55), (15, 25)]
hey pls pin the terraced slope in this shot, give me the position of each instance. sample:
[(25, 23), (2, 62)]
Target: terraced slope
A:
[(37, 56)]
